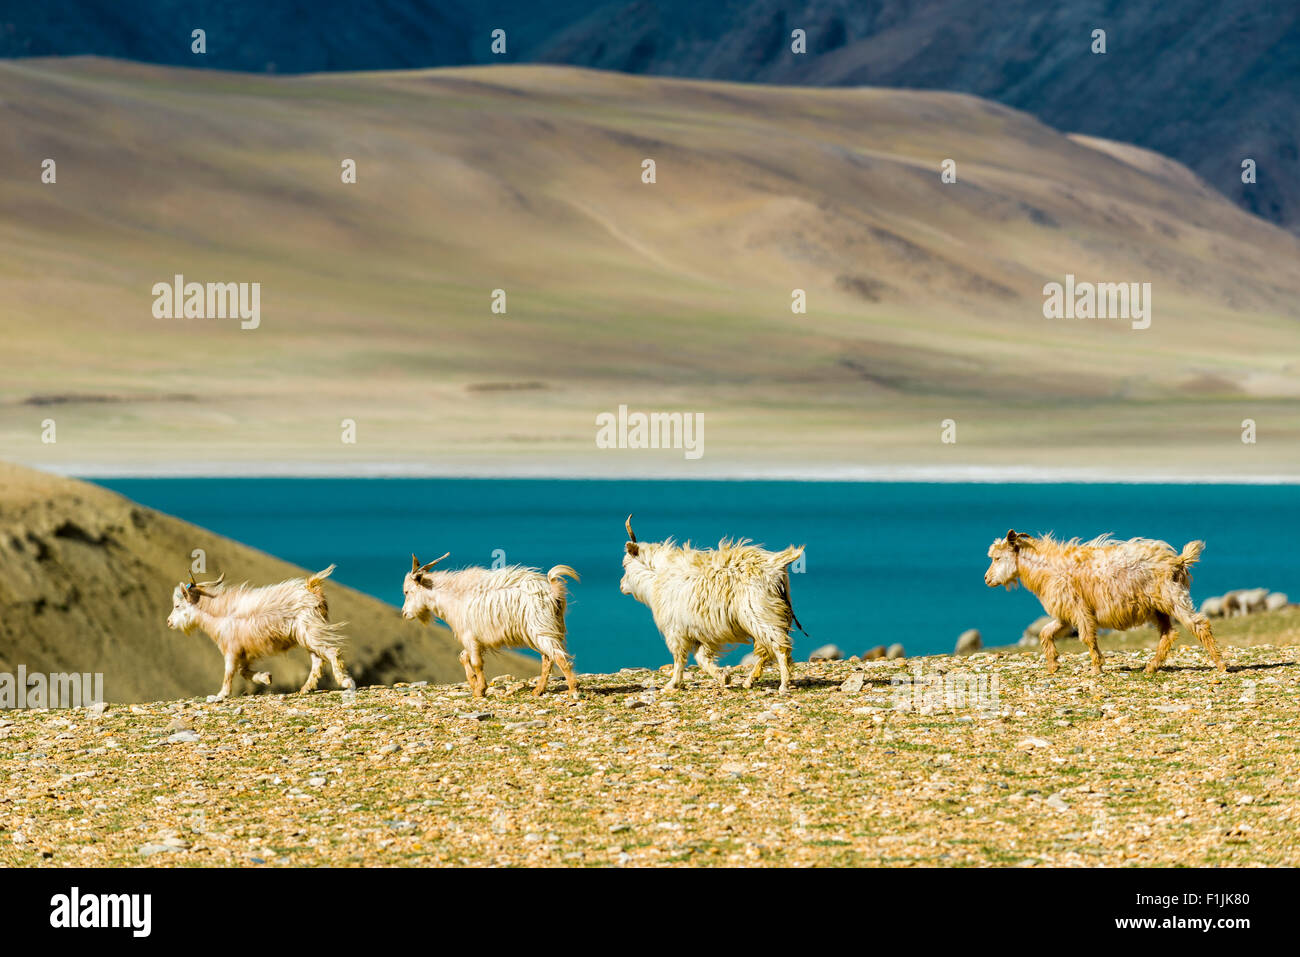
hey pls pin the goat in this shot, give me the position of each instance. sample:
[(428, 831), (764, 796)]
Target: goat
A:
[(249, 623), (1104, 583), (490, 609), (704, 600)]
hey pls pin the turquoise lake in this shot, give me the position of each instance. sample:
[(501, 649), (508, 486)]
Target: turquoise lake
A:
[(885, 562)]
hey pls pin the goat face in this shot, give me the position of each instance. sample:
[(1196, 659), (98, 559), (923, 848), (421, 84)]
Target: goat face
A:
[(638, 571), (1003, 569), (625, 584), (417, 593), (184, 616)]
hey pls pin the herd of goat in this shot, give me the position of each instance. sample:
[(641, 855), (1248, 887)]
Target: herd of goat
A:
[(704, 600)]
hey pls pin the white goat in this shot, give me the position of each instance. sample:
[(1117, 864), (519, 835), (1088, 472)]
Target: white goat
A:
[(704, 600), (250, 623), (490, 609)]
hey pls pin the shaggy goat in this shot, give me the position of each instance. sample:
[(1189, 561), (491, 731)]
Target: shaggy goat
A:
[(488, 609), (1104, 583), (249, 623), (704, 600)]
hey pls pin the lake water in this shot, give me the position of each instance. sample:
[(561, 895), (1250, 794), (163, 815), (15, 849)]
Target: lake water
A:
[(885, 562)]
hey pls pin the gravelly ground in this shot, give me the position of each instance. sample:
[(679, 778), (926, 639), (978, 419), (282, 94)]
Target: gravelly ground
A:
[(1183, 768)]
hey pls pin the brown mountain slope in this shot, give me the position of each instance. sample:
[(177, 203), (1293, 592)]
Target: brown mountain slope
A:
[(924, 298), (86, 578)]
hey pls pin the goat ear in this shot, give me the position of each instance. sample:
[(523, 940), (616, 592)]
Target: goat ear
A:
[(633, 549), (415, 563), (1011, 536)]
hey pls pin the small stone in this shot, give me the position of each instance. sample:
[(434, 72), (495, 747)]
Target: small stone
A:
[(1057, 801), (391, 748), (183, 737), (875, 654), (827, 653), (149, 850), (969, 642), (1031, 743), (478, 716), (853, 683), (895, 652)]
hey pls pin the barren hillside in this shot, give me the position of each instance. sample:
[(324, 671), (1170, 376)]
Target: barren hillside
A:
[(924, 298)]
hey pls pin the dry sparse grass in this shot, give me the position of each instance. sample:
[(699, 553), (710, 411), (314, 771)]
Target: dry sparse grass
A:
[(1177, 769)]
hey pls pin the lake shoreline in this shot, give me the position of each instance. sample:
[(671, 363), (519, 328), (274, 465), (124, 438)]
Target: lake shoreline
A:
[(918, 474)]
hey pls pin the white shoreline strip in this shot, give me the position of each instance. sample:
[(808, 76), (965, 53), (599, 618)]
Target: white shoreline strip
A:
[(970, 474)]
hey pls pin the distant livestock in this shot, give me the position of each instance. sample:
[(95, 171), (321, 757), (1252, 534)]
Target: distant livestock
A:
[(489, 609), (705, 600), (1243, 601), (250, 623), (1104, 583)]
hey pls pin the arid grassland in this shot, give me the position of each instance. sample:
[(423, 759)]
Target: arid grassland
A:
[(1184, 768)]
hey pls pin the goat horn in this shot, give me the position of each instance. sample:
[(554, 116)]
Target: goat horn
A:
[(631, 535), (425, 567)]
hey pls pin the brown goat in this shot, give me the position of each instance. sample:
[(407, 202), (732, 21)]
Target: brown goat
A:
[(1104, 583)]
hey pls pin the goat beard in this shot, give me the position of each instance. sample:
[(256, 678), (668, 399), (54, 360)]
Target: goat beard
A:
[(1011, 585)]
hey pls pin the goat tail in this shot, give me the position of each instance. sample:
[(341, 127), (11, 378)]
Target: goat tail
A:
[(784, 589), (331, 633), (555, 577), (1191, 553), (314, 581)]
